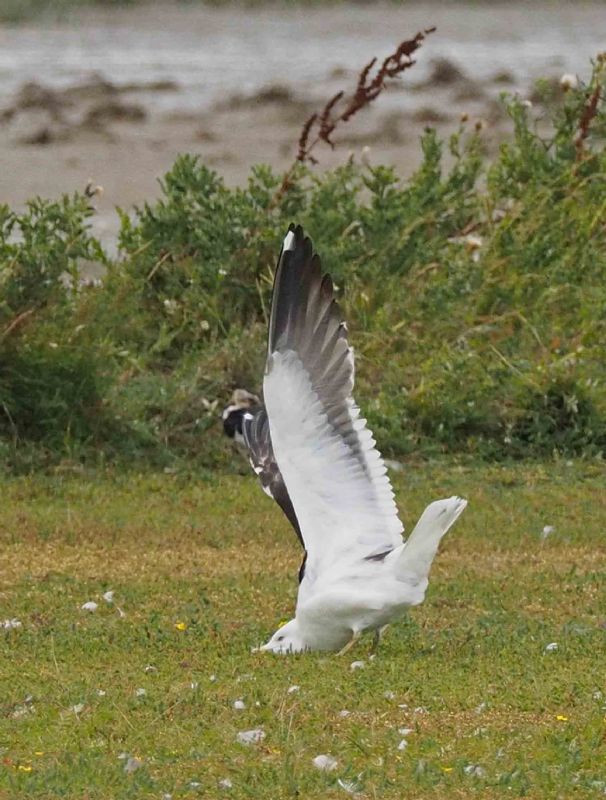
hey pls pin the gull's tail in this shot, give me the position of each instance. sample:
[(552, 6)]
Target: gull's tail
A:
[(415, 558)]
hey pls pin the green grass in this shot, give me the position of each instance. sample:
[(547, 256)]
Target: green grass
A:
[(218, 557)]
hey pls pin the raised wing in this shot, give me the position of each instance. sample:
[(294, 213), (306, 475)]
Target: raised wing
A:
[(334, 474)]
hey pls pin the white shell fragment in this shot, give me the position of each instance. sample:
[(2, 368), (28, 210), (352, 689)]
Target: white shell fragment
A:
[(251, 737), (11, 624), (325, 763)]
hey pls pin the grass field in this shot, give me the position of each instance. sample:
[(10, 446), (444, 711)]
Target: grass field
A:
[(136, 699)]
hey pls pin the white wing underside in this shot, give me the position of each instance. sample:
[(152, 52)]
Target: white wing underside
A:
[(342, 496)]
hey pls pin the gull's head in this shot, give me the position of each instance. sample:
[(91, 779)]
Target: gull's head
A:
[(287, 639)]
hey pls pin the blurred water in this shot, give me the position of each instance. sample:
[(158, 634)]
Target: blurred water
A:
[(212, 53)]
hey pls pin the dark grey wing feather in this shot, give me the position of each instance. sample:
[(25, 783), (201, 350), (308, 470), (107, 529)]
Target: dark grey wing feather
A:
[(306, 318), (307, 333), (257, 437)]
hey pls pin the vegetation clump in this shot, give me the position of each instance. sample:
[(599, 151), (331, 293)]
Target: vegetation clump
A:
[(475, 293)]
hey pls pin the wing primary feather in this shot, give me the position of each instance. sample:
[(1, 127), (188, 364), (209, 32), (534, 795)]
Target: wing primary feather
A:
[(257, 437), (325, 452)]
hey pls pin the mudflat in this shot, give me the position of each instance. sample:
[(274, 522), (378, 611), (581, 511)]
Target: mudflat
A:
[(113, 96)]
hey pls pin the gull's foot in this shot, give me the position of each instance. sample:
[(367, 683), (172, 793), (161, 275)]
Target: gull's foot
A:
[(377, 638), (350, 644)]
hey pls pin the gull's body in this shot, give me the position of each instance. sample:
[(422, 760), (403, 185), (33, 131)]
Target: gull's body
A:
[(317, 458)]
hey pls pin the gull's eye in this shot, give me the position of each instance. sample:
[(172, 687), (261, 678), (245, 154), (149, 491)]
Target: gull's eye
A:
[(280, 638)]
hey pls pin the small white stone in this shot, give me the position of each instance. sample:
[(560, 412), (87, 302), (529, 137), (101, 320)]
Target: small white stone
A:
[(345, 713), (89, 606), (403, 745), (547, 531), (225, 783), (389, 695), (357, 665), (150, 668), (23, 711), (474, 769), (101, 692), (481, 708), (140, 692), (251, 737), (420, 710), (551, 647), (405, 731), (239, 705), (132, 764), (526, 103), (11, 624), (212, 678), (194, 784), (108, 596), (325, 763), (293, 689), (78, 708), (194, 685)]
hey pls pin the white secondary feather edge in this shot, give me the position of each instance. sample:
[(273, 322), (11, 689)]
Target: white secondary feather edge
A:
[(344, 511)]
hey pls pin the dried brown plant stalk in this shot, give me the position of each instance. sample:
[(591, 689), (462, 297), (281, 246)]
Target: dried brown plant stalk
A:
[(367, 90), (321, 125), (589, 112)]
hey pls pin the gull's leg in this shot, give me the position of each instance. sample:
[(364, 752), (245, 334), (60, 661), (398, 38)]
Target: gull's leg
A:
[(350, 643), (377, 638)]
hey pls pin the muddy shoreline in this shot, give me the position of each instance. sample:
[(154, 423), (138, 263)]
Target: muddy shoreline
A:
[(112, 97)]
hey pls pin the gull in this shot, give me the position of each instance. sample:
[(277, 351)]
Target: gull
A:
[(315, 455), (242, 402)]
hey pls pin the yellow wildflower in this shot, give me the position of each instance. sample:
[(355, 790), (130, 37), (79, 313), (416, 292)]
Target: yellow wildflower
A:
[(561, 718), (181, 626), (24, 768)]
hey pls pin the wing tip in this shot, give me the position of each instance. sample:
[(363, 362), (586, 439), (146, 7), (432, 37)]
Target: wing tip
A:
[(289, 242)]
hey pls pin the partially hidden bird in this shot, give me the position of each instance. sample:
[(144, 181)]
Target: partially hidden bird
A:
[(315, 455)]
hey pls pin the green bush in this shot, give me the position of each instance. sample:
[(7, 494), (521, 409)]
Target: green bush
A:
[(476, 297)]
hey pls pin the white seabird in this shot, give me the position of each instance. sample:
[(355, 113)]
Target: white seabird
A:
[(316, 456)]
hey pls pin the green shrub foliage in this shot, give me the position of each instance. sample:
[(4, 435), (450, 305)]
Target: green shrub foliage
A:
[(475, 296)]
